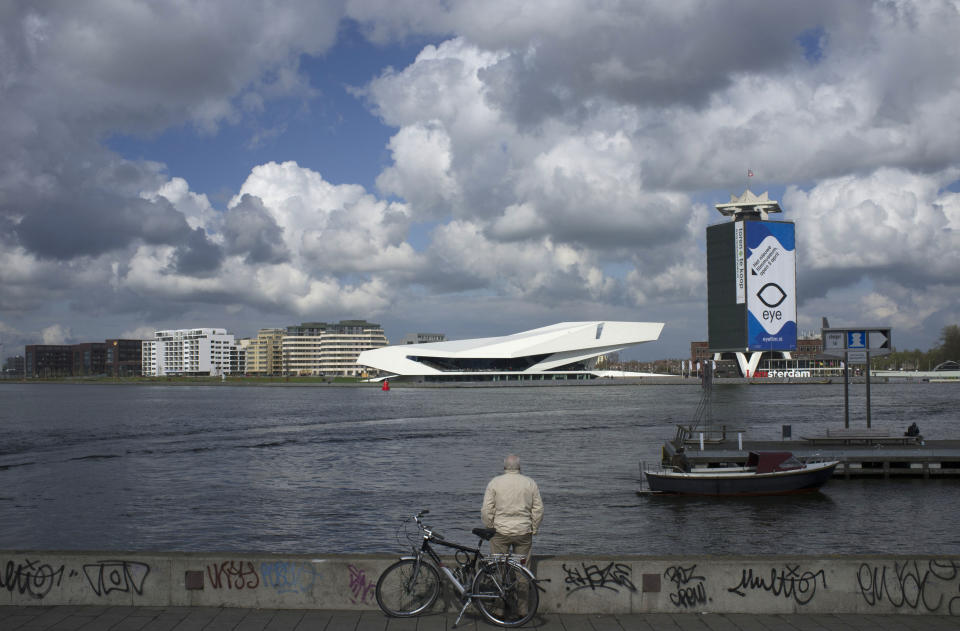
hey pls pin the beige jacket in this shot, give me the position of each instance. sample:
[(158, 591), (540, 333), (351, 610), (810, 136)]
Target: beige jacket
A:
[(512, 504)]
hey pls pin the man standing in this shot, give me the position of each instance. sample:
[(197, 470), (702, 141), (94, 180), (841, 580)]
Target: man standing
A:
[(512, 506)]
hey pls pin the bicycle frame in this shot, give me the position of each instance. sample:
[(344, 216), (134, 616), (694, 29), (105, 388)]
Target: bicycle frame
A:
[(473, 557)]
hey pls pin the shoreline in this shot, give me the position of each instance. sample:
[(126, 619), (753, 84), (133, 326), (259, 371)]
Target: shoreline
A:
[(300, 382)]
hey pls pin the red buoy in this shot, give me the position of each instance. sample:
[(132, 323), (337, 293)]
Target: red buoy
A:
[(386, 385)]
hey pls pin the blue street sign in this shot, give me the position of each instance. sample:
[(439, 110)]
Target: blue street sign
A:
[(856, 339), (841, 342)]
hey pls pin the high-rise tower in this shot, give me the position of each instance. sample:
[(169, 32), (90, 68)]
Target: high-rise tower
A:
[(751, 282)]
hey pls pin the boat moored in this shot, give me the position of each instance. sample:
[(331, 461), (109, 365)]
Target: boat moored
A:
[(766, 473)]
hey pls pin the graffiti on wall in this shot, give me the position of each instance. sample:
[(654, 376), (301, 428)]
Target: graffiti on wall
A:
[(32, 578), (289, 577), (912, 584), (116, 576), (614, 577), (689, 587), (233, 575), (788, 582), (36, 579), (362, 588)]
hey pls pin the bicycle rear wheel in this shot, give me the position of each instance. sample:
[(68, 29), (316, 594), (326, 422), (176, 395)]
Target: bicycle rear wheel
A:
[(506, 593), (407, 587)]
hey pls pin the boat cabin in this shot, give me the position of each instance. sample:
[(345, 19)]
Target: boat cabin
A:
[(771, 461)]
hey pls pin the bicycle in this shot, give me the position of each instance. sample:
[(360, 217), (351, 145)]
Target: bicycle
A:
[(503, 589)]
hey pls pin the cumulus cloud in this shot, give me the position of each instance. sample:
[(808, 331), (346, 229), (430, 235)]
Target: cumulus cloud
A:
[(703, 90), (138, 333), (250, 230), (578, 184), (600, 132), (77, 221), (331, 228), (195, 207), (891, 224), (462, 257), (557, 159), (421, 173), (56, 334), (196, 256)]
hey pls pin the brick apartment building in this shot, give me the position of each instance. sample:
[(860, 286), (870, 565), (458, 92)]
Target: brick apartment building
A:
[(116, 357)]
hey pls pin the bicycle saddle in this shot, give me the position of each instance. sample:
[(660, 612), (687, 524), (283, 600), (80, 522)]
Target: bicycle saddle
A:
[(485, 533)]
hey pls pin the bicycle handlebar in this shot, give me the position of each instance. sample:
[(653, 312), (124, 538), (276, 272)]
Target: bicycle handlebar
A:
[(425, 529)]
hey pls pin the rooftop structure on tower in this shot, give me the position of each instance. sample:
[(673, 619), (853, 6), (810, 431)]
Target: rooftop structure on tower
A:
[(749, 206)]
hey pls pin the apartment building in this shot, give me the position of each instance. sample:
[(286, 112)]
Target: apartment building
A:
[(89, 358), (123, 357), (423, 338), (13, 367), (264, 353), (65, 360), (238, 360), (190, 352), (114, 357), (321, 348), (48, 360)]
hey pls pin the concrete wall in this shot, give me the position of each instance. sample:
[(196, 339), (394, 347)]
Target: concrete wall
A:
[(615, 584)]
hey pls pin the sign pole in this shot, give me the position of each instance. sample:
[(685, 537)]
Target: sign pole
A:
[(855, 346), (868, 389), (846, 394)]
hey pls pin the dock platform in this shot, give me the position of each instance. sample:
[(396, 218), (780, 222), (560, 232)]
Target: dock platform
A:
[(928, 459)]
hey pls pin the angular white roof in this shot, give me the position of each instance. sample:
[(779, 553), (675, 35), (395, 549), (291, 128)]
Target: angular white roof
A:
[(552, 347)]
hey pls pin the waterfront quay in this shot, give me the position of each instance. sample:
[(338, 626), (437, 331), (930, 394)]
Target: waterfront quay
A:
[(146, 587), (93, 618), (858, 459)]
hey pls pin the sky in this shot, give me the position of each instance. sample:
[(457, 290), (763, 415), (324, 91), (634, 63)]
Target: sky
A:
[(472, 168)]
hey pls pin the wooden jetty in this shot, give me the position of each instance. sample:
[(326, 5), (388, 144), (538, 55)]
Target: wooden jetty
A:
[(861, 454)]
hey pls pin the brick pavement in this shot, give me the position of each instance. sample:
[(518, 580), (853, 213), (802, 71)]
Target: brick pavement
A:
[(83, 618)]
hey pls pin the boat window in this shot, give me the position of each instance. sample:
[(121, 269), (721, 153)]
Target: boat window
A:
[(790, 463)]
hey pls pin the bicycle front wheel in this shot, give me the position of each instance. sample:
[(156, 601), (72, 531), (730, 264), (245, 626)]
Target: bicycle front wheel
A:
[(407, 588), (506, 593)]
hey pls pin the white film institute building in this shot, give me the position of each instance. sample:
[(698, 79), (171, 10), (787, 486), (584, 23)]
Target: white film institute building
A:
[(568, 350)]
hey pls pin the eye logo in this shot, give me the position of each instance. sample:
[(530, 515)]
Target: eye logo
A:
[(771, 295)]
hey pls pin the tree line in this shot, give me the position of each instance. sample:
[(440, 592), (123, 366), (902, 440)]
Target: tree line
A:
[(947, 350)]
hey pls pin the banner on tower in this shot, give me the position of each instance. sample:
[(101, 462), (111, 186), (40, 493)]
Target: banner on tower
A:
[(740, 274), (771, 279)]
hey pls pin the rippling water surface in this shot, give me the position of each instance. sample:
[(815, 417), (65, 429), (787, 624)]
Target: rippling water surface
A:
[(335, 469)]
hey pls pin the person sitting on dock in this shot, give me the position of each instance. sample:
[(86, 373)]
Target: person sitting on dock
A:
[(913, 430)]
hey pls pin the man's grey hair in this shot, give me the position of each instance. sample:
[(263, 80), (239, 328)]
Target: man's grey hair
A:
[(511, 463)]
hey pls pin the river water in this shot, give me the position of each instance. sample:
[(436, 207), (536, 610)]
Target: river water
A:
[(335, 469)]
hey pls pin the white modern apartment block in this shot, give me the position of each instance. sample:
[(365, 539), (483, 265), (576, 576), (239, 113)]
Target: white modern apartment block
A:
[(190, 352), (320, 348)]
